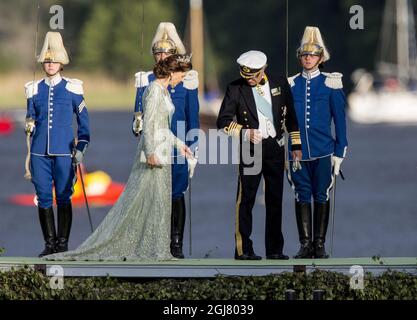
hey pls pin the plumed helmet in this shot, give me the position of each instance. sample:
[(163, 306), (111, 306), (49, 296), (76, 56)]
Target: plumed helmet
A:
[(53, 49), (167, 40), (312, 43)]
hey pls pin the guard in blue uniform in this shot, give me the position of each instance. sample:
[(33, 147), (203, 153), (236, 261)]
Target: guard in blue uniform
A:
[(51, 105), (319, 100), (185, 118)]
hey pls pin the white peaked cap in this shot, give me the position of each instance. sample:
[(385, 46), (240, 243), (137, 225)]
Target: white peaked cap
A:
[(252, 59)]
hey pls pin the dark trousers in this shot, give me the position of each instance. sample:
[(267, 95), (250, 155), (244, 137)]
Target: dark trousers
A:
[(272, 170)]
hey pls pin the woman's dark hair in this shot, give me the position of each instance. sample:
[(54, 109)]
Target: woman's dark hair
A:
[(173, 63)]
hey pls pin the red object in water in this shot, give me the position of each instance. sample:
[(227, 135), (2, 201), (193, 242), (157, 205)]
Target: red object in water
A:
[(6, 125)]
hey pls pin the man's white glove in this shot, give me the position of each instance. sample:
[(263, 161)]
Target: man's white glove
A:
[(137, 123), (77, 157), (29, 126), (336, 163), (192, 163)]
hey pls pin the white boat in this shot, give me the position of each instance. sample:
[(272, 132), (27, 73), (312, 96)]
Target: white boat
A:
[(390, 95)]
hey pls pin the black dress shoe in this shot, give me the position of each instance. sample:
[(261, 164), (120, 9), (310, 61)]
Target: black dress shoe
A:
[(248, 257), (277, 257)]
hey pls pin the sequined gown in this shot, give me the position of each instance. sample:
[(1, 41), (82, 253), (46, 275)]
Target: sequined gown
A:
[(138, 225)]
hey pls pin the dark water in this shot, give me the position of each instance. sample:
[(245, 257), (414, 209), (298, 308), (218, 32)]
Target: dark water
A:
[(376, 210)]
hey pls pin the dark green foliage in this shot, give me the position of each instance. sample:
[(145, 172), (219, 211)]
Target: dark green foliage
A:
[(26, 284), (105, 35), (111, 37)]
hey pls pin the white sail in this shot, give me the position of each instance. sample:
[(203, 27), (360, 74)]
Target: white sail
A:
[(391, 95)]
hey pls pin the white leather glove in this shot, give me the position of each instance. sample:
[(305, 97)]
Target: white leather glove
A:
[(192, 163), (336, 163), (137, 123)]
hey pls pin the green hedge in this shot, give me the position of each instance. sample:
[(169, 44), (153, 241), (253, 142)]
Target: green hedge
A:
[(28, 284)]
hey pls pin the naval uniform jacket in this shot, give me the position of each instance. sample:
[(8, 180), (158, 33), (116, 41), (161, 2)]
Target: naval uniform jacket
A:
[(239, 103)]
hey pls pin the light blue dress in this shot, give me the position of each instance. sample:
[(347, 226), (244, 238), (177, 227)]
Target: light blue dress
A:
[(138, 225)]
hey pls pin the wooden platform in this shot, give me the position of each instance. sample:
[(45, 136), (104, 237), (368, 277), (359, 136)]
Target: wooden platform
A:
[(206, 268)]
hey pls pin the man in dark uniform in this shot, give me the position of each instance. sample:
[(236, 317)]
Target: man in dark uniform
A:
[(263, 107), (51, 105)]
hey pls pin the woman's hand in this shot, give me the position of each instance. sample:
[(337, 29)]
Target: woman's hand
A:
[(152, 161), (186, 152)]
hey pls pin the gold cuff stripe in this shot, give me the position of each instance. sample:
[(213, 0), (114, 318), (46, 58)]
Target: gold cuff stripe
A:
[(295, 141), (295, 137), (233, 129)]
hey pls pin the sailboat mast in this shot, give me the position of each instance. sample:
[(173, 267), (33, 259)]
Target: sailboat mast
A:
[(197, 40), (402, 41)]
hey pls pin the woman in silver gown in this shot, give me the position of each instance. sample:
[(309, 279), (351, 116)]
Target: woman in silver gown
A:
[(138, 225)]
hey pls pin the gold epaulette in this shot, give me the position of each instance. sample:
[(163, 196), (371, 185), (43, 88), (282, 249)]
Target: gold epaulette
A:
[(295, 137), (233, 129)]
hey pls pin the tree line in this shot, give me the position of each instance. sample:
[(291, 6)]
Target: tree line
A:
[(106, 35)]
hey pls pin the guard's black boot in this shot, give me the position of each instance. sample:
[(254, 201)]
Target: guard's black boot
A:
[(303, 217), (64, 227), (177, 227), (321, 220), (46, 218)]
